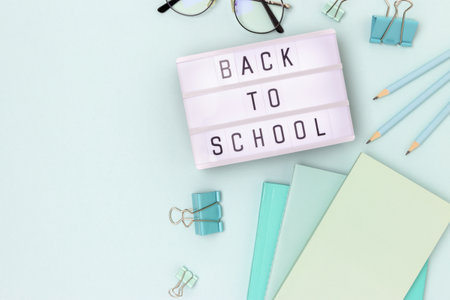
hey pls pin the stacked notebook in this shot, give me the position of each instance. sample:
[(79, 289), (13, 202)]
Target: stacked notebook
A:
[(367, 235)]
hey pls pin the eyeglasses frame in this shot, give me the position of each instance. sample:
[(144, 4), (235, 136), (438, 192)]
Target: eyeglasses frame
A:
[(275, 22)]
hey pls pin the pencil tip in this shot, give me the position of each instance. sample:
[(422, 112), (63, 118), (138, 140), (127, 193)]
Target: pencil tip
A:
[(368, 141), (407, 152), (375, 98)]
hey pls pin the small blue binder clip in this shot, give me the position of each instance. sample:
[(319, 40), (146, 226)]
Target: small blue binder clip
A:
[(206, 213), (335, 13), (393, 31)]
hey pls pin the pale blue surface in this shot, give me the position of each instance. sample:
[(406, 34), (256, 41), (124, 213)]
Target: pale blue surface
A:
[(95, 150)]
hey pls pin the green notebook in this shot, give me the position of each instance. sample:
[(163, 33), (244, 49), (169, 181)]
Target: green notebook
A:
[(271, 210), (312, 191), (373, 240)]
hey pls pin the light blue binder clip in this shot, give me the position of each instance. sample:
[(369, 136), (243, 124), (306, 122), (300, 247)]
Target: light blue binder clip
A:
[(206, 213), (335, 13), (393, 31)]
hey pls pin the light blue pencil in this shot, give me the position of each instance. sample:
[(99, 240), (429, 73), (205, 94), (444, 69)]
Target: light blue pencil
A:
[(414, 74), (410, 107), (420, 139)]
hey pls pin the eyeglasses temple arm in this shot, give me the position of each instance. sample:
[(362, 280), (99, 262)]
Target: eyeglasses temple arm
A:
[(165, 7), (272, 17), (285, 5)]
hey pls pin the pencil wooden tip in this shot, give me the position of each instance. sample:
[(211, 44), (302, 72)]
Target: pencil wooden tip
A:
[(375, 98), (374, 137), (383, 93), (413, 146)]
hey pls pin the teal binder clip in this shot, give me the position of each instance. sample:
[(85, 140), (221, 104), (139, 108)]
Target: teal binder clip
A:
[(335, 13), (206, 213), (393, 31), (185, 278)]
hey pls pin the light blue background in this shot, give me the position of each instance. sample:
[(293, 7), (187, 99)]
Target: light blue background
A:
[(94, 146)]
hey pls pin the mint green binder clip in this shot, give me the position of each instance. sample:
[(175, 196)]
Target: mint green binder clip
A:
[(335, 13), (185, 278)]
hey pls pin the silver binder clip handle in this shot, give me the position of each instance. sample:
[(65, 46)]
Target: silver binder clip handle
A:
[(396, 4), (337, 10), (187, 221), (182, 218), (180, 285), (388, 7)]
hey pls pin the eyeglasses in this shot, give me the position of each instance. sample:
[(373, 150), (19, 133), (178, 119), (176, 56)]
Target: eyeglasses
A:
[(257, 16)]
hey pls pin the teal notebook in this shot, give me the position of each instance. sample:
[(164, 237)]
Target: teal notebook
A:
[(271, 211), (418, 288), (311, 192)]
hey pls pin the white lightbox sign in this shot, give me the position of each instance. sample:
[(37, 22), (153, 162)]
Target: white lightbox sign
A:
[(265, 99)]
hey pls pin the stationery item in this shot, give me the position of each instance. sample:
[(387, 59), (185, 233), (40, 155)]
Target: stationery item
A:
[(335, 13), (393, 31), (265, 99), (410, 107), (430, 128), (310, 194), (271, 210), (417, 290), (185, 278), (206, 213), (307, 203), (373, 240), (414, 74), (257, 16)]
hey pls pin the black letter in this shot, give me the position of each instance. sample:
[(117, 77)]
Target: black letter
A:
[(225, 68), (317, 128), (260, 137), (270, 98), (296, 131), (262, 61), (218, 145), (285, 57), (275, 134), (245, 62), (253, 99), (234, 145)]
